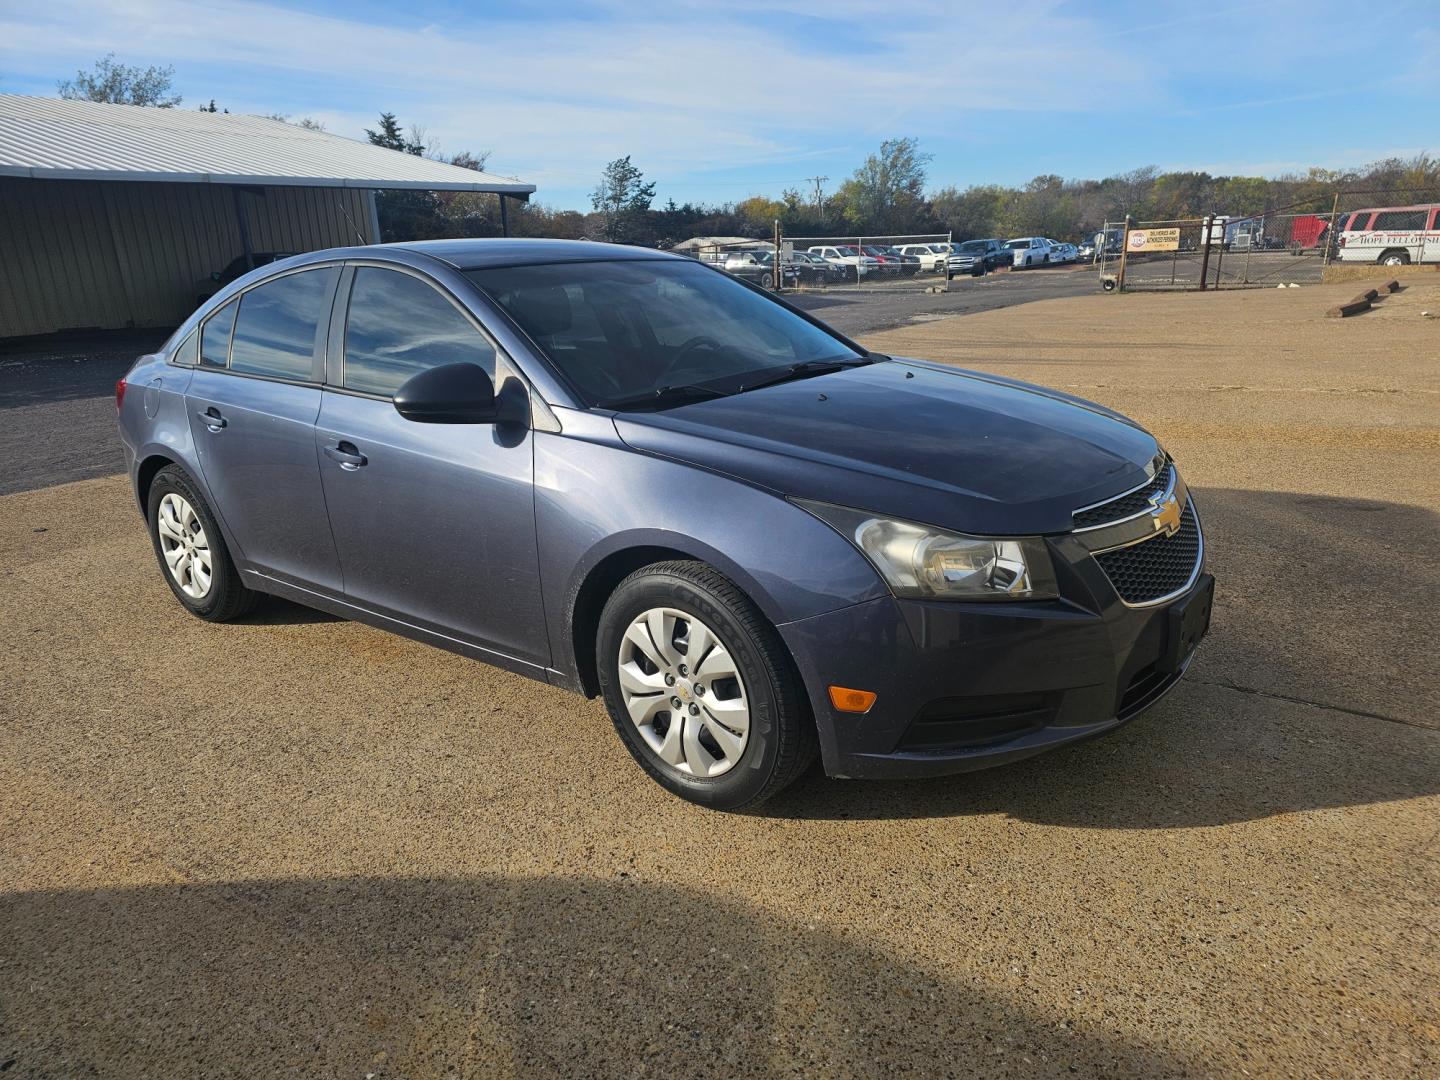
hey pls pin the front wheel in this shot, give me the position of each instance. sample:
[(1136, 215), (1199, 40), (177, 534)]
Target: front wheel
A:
[(1395, 258), (700, 687), (767, 280)]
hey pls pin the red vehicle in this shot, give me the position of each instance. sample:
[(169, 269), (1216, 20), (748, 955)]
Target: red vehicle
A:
[(889, 264), (1307, 231)]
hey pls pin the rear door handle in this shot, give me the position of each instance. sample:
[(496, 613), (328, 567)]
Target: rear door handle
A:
[(213, 420), (347, 455)]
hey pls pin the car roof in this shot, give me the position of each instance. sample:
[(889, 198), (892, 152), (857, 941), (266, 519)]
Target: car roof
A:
[(479, 254)]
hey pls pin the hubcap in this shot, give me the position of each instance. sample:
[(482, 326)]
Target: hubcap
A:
[(684, 693), (184, 545)]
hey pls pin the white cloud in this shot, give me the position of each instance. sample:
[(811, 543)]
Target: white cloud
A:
[(685, 90)]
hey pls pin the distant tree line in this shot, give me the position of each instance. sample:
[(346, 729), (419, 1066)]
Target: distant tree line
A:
[(887, 195)]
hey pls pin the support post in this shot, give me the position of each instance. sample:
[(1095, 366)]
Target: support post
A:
[(779, 266), (504, 219), (374, 217), (1124, 254), (1330, 232), (244, 223), (1205, 250)]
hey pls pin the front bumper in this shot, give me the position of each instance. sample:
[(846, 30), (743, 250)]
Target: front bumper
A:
[(965, 686)]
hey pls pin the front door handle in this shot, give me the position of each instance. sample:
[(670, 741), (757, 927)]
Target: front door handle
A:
[(347, 455), (213, 420)]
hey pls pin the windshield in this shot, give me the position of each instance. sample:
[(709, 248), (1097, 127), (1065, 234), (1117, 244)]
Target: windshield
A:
[(1018, 244), (633, 328), (973, 245)]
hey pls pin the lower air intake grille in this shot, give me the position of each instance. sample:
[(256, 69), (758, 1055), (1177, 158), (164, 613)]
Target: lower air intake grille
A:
[(1158, 567)]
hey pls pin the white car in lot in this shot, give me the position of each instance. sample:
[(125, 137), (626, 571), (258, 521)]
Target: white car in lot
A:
[(1031, 251), (856, 262), (1390, 235), (1063, 253), (932, 256)]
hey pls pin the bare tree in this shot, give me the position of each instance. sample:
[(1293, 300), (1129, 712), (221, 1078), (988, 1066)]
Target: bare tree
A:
[(121, 84)]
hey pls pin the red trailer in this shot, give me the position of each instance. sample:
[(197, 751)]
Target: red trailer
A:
[(1306, 232)]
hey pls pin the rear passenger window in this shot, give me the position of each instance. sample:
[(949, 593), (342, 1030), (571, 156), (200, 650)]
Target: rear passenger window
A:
[(280, 322), (398, 325), (185, 353), (215, 338), (1400, 220)]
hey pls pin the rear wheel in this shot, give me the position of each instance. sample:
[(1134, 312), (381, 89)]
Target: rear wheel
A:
[(191, 552), (700, 687), (767, 280)]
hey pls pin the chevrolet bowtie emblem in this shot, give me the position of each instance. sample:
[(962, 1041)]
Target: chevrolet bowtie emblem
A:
[(1166, 515)]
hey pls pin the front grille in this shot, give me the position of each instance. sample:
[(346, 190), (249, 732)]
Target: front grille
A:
[(1157, 567), (1126, 505)]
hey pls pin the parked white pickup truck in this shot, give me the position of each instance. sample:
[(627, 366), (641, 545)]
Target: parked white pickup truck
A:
[(848, 255)]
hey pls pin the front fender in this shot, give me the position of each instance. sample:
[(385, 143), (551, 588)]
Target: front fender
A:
[(594, 499)]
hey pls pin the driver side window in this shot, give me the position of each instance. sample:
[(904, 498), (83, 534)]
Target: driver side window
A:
[(398, 325)]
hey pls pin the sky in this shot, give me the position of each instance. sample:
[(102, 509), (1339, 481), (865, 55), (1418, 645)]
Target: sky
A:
[(719, 101)]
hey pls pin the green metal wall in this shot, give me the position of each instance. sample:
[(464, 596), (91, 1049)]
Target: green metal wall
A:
[(78, 254)]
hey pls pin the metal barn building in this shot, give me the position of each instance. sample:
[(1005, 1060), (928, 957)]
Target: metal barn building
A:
[(115, 216)]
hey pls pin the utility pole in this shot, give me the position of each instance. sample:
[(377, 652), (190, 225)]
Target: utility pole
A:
[(817, 181)]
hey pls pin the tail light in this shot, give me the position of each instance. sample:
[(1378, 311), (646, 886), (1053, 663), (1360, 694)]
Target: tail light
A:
[(119, 393)]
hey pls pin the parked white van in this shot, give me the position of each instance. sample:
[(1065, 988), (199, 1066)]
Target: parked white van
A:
[(1390, 235)]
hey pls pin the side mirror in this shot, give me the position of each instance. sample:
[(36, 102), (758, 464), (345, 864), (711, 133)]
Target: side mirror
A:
[(448, 394)]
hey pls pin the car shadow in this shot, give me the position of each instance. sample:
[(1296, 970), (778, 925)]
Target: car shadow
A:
[(276, 611), (385, 978), (1316, 688)]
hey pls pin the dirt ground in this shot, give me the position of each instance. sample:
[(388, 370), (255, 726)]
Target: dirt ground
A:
[(300, 847)]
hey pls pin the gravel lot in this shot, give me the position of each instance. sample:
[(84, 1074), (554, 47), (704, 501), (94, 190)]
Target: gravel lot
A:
[(297, 846)]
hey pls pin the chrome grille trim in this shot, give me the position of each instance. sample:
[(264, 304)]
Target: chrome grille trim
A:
[(1137, 527)]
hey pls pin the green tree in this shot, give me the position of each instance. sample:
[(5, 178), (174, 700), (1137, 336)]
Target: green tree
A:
[(622, 199), (404, 215), (392, 138), (887, 193), (121, 84)]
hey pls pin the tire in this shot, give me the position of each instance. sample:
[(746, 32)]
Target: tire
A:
[(767, 281), (224, 597), (1395, 258), (779, 741)]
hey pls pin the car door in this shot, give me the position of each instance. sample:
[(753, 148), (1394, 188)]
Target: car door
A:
[(252, 403), (435, 523)]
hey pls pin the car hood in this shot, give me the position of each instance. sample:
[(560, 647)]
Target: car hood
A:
[(910, 439)]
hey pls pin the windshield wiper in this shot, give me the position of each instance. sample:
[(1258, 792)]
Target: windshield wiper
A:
[(665, 396), (805, 370)]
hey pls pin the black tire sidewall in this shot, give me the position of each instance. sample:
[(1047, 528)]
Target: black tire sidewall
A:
[(752, 773), (173, 480)]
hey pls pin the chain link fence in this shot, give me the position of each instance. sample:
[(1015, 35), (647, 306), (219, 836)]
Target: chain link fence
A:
[(828, 262), (1287, 245)]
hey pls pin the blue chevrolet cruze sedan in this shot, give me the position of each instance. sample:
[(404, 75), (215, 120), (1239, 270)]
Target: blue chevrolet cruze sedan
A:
[(630, 475)]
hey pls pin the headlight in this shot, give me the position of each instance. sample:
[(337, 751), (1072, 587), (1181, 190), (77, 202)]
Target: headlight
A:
[(928, 563)]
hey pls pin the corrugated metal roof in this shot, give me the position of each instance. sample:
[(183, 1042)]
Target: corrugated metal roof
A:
[(90, 140)]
